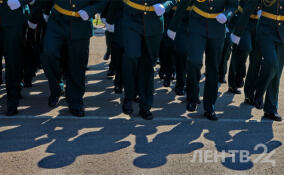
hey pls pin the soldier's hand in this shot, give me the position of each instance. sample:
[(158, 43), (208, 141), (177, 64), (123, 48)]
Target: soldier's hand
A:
[(110, 27), (221, 18), (45, 17), (171, 34), (259, 13), (84, 15), (235, 39), (32, 25), (159, 9), (14, 4)]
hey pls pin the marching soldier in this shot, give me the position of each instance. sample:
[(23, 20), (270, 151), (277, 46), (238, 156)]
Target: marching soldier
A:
[(69, 29), (270, 38), (143, 29), (166, 54), (12, 20), (207, 31), (116, 46), (240, 53), (181, 52)]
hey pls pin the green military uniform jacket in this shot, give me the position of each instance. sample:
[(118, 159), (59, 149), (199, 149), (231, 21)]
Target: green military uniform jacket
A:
[(270, 28), (12, 17), (74, 26), (208, 27), (144, 22)]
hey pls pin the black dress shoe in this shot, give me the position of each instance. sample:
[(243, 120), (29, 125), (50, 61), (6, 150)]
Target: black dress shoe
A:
[(28, 84), (107, 55), (240, 83), (77, 112), (222, 80), (249, 101), (53, 101), (110, 73), (146, 114), (12, 111), (179, 91), (258, 103), (118, 89), (211, 116), (127, 107), (273, 116), (167, 83), (234, 90), (191, 107)]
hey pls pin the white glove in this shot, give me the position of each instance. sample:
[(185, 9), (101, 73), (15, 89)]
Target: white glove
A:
[(171, 34), (110, 27), (221, 18), (32, 2), (235, 39), (259, 13), (159, 9), (32, 25), (103, 21), (45, 17), (84, 15), (14, 4)]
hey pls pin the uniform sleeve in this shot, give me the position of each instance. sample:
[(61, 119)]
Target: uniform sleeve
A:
[(179, 14), (96, 6), (40, 6), (105, 9), (231, 7), (243, 21)]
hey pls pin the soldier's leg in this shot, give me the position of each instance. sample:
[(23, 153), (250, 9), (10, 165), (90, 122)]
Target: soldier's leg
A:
[(132, 45), (150, 51), (77, 60), (13, 38), (117, 56), (163, 59), (50, 58), (246, 49), (226, 53), (29, 58), (213, 53), (239, 56), (269, 68), (255, 58), (271, 98), (194, 64), (180, 56), (1, 57), (180, 62)]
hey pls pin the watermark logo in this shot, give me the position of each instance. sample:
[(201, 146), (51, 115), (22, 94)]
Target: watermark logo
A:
[(237, 156)]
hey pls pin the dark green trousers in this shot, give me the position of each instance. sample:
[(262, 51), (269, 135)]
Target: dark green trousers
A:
[(167, 56), (141, 53), (77, 52), (212, 48), (12, 38), (255, 59), (270, 74), (240, 53), (181, 52), (226, 53)]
